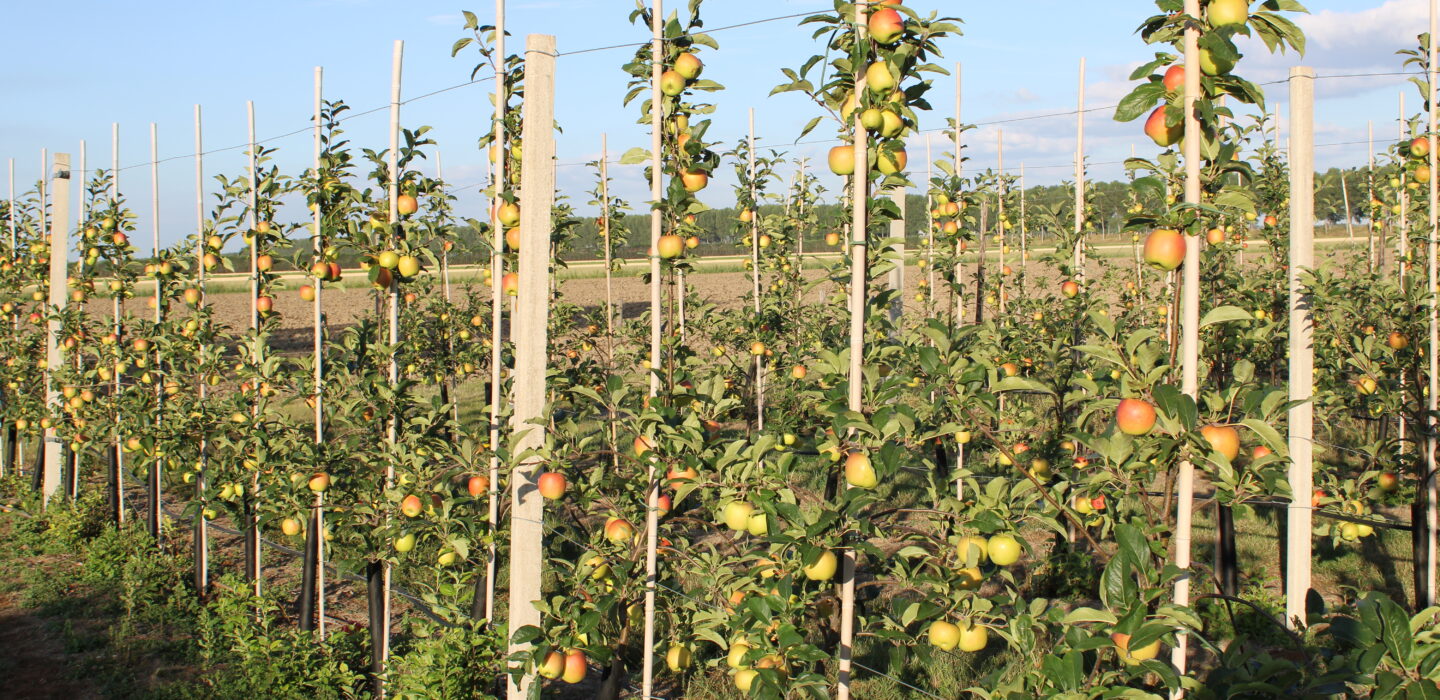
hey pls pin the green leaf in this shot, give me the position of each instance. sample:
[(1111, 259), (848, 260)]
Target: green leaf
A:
[(1223, 314), (635, 156), (1139, 101), (1083, 615)]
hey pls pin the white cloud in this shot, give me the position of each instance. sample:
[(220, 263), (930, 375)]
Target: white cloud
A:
[(1396, 22)]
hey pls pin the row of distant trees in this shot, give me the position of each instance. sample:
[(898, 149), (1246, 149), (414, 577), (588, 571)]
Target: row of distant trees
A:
[(720, 228)]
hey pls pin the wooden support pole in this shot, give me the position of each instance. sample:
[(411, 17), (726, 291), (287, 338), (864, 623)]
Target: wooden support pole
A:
[(1345, 193), (117, 478), (1079, 257), (1302, 349), (1429, 489), (500, 182), (1024, 228), (800, 211), (201, 534), (59, 232), (316, 529), (1189, 322), (959, 286), (657, 194), (657, 191), (897, 246), (1001, 222), (8, 434), (605, 237), (156, 467), (72, 473), (859, 277), (253, 544), (532, 310), (392, 428), (1370, 194), (929, 226), (755, 278), (1402, 232)]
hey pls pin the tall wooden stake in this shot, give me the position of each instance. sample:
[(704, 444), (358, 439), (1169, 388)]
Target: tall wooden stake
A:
[(1080, 177), (1024, 231), (959, 238), (1189, 321), (532, 310), (1434, 359), (1000, 221), (501, 183), (155, 488), (897, 273), (1402, 234), (1345, 193), (605, 236), (252, 525), (117, 476), (657, 193), (859, 274), (316, 530), (1370, 194), (8, 433), (1302, 351), (392, 429), (202, 532), (59, 177), (929, 225), (755, 279)]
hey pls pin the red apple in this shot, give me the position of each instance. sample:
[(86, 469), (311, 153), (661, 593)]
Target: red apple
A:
[(1155, 127), (1388, 481), (642, 445), (886, 25), (1174, 80), (1165, 249), (670, 246), (551, 485), (619, 530), (553, 666), (477, 485), (406, 205), (575, 666), (1134, 417), (510, 284), (1070, 289), (1223, 439), (694, 180)]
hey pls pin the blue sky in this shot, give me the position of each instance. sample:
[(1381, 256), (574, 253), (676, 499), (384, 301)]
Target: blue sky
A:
[(76, 67)]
